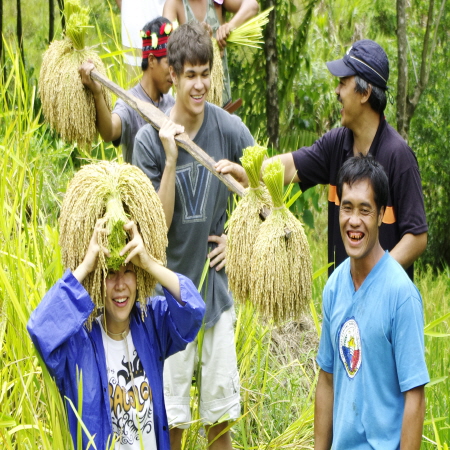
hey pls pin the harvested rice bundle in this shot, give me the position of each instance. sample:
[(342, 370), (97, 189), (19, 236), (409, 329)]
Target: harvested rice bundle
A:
[(118, 193), (68, 107), (244, 223), (250, 32), (281, 272), (216, 89)]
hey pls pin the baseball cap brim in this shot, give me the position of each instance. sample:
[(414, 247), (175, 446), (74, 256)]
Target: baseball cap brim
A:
[(339, 69)]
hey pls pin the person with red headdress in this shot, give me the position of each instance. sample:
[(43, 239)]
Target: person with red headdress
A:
[(120, 126)]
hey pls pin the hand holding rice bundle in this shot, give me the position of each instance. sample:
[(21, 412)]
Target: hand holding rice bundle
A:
[(248, 34), (281, 269), (67, 105), (244, 223), (118, 193)]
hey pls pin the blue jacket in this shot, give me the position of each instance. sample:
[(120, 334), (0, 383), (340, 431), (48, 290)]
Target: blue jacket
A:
[(67, 347)]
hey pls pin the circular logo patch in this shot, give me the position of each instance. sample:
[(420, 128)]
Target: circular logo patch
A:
[(350, 347)]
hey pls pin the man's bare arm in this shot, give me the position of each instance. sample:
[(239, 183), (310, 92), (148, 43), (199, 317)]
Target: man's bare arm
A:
[(413, 417), (409, 248), (108, 125), (323, 412), (173, 10), (243, 10)]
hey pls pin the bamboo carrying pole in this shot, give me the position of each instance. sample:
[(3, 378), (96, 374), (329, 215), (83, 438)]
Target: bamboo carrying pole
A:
[(156, 118)]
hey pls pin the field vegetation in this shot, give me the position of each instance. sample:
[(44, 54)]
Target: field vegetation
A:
[(277, 364)]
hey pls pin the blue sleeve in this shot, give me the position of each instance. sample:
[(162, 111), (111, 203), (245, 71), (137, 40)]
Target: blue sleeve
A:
[(178, 325), (408, 344), (325, 355), (59, 318)]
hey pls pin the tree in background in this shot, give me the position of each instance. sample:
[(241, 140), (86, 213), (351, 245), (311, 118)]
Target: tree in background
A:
[(429, 135), (409, 93)]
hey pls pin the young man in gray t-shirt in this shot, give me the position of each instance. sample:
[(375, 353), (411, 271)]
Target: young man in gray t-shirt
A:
[(124, 122), (195, 203)]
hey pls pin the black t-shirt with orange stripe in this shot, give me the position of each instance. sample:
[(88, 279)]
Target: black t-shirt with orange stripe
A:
[(405, 213)]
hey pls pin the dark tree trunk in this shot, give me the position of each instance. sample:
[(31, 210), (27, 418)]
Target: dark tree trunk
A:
[(51, 20), (19, 30), (61, 13), (270, 50), (402, 80)]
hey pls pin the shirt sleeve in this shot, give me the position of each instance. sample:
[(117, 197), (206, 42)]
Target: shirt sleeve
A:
[(122, 110), (313, 163), (407, 198), (325, 355), (58, 319), (408, 344), (178, 324), (146, 154)]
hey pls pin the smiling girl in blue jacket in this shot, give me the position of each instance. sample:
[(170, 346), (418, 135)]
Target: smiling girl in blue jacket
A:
[(121, 359)]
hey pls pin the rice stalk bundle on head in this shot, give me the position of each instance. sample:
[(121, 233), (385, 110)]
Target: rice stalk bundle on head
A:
[(216, 89), (281, 273), (67, 105), (244, 223), (118, 193), (250, 32)]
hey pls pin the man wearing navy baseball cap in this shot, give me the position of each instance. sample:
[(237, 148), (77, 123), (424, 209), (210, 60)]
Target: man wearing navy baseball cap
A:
[(363, 76)]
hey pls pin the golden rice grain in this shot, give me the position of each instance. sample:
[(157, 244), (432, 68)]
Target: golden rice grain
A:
[(216, 90), (281, 269), (68, 106), (85, 202), (244, 223)]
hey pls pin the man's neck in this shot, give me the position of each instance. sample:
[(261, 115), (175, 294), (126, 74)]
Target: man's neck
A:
[(149, 88), (360, 268), (364, 132), (191, 123)]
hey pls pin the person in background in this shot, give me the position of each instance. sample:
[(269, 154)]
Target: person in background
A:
[(212, 12), (363, 75), (370, 392), (120, 126)]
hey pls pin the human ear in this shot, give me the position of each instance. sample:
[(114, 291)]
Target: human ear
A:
[(173, 75), (381, 215), (365, 97)]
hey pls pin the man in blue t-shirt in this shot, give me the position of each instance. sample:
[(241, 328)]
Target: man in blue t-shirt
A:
[(370, 392)]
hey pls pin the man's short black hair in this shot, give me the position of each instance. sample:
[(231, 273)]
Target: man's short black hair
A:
[(365, 168), (190, 43), (153, 26)]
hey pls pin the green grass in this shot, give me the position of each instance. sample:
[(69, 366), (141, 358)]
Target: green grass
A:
[(277, 364)]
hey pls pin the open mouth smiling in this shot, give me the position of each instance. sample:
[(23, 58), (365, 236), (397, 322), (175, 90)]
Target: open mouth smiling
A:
[(355, 236)]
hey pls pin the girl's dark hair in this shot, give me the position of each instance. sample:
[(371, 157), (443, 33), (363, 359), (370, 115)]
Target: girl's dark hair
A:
[(190, 43)]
